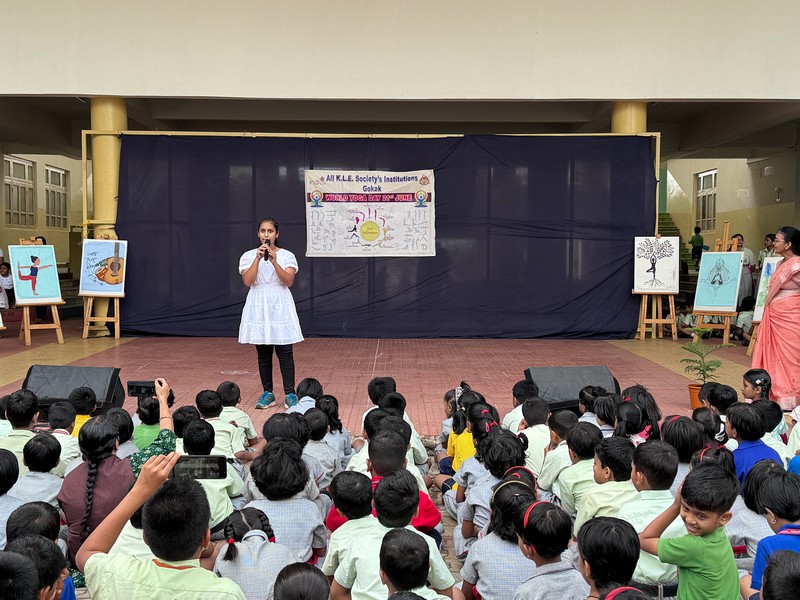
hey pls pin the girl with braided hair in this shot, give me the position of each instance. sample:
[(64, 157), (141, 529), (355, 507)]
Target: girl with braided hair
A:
[(252, 557)]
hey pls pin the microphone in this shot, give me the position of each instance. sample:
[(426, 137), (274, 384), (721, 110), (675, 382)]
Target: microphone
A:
[(266, 256)]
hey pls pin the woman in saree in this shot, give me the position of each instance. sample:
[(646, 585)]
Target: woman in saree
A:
[(779, 335)]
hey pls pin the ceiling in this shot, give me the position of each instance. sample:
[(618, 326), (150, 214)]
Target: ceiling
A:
[(698, 129)]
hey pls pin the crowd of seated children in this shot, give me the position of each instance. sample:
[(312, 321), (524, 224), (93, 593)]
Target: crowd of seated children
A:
[(742, 328), (605, 412), (337, 437), (556, 457), (683, 434), (84, 401), (535, 413), (684, 320), (586, 398), (40, 455), (61, 417), (579, 476), (521, 392), (613, 488), (495, 567), (309, 390)]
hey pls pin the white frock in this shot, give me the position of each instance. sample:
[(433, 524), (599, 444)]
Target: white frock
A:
[(269, 315)]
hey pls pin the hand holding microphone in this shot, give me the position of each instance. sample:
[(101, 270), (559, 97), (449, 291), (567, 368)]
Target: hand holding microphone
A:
[(266, 254)]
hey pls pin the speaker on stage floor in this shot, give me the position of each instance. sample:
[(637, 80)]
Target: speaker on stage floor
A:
[(559, 386), (53, 384)]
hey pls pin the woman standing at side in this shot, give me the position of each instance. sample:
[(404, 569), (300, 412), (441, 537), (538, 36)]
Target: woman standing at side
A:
[(779, 333), (269, 319)]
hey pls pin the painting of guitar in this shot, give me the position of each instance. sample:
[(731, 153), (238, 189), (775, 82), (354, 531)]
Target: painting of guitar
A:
[(103, 265)]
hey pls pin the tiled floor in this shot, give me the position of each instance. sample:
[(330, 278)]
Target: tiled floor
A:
[(424, 369)]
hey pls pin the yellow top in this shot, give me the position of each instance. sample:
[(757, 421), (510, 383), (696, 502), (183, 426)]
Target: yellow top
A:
[(79, 422), (460, 447)]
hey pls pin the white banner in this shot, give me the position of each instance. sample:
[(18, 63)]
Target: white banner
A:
[(370, 213)]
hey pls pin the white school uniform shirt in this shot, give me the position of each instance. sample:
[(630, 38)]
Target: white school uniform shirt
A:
[(512, 419), (538, 439), (556, 461), (227, 439), (70, 450), (243, 422), (779, 447)]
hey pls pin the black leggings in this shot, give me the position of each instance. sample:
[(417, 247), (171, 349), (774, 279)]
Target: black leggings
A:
[(285, 360)]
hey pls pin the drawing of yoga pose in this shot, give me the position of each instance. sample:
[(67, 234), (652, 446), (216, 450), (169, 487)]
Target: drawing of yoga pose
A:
[(34, 267)]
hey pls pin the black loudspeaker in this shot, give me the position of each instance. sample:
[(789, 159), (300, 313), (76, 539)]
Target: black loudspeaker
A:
[(559, 386), (53, 384)]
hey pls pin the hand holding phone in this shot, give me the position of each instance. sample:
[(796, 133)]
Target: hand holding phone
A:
[(200, 467)]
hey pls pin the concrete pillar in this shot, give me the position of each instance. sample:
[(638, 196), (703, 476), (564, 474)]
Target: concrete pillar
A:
[(108, 114), (628, 117)]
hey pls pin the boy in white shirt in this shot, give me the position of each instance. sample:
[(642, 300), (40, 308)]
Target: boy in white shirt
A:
[(231, 395), (521, 392), (577, 478), (228, 439), (405, 560), (556, 458), (61, 417), (377, 388), (535, 413)]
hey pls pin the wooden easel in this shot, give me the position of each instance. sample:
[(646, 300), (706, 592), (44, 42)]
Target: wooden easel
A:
[(723, 244), (26, 327), (88, 305), (753, 339), (657, 320)]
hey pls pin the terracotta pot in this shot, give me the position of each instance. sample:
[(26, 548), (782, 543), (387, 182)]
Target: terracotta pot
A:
[(694, 393)]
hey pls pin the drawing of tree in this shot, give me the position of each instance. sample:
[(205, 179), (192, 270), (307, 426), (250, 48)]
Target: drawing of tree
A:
[(654, 249)]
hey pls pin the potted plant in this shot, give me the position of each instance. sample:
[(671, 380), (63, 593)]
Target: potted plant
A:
[(702, 368)]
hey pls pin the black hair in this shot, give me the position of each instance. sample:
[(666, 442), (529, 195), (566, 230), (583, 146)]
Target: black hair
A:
[(769, 486), (480, 430), (588, 394), (718, 455), (546, 527), (387, 452), (481, 410), (525, 390), (175, 519), (683, 434), (198, 438), (629, 419), (658, 461), (405, 595), (535, 411), (583, 438), (301, 581), (378, 387), (239, 523), (3, 404), (317, 423), (451, 396), (352, 494), (396, 425), (771, 413), (372, 421), (747, 303), (97, 440), (393, 400), (605, 407), (616, 453), (792, 236), (502, 450), (709, 423), (9, 470), (405, 559), (290, 426), (229, 392), (280, 472), (270, 220), (759, 378), (771, 236), (508, 496), (209, 403), (41, 453), (182, 417), (561, 421), (465, 400), (45, 555), (39, 518), (610, 546), (123, 422), (18, 577), (781, 578), (21, 408), (697, 230), (148, 409), (710, 487), (330, 406), (61, 415), (83, 399), (521, 473), (642, 397), (5, 264), (722, 397), (705, 389), (747, 421), (41, 237), (309, 387), (396, 498)]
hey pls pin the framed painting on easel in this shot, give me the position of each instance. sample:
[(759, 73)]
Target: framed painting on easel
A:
[(718, 282), (35, 275), (103, 268), (656, 265)]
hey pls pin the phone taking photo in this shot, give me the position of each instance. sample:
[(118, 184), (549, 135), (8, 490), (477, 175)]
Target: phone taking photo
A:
[(200, 467)]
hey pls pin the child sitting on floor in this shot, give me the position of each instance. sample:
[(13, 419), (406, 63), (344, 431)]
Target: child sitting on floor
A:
[(556, 457), (586, 398), (535, 414), (84, 401), (61, 417), (579, 476), (743, 326), (605, 408), (746, 426), (352, 501), (404, 562), (521, 392), (720, 399), (9, 473), (147, 430), (613, 488), (683, 434), (608, 549), (40, 455), (774, 422), (308, 390), (782, 576), (228, 439), (317, 448), (231, 396), (495, 567), (125, 427), (630, 423), (543, 532), (50, 563), (377, 388), (450, 399), (181, 419), (641, 397), (304, 579), (395, 403), (704, 557), (337, 437)]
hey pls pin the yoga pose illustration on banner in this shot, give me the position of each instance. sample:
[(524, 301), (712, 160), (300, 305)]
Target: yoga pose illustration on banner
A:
[(35, 267)]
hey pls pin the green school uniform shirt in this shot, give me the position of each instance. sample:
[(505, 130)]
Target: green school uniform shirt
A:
[(706, 567), (697, 240)]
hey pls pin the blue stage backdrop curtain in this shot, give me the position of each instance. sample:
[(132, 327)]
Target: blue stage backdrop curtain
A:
[(534, 235)]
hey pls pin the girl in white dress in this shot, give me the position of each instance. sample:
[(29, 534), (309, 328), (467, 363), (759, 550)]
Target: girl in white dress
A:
[(269, 318)]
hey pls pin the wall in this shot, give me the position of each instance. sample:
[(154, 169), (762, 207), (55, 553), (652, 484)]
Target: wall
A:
[(57, 237), (415, 49), (745, 196)]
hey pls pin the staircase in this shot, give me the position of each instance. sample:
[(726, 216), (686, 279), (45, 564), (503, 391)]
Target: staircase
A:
[(688, 280)]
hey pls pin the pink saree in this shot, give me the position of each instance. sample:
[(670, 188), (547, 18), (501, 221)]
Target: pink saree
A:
[(777, 350)]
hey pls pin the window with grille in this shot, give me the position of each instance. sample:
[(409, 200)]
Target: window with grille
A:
[(19, 192), (55, 189), (706, 200)]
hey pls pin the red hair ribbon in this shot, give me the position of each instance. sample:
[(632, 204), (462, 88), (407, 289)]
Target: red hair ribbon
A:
[(618, 591), (530, 508), (231, 541), (272, 539), (484, 411), (519, 468), (627, 399)]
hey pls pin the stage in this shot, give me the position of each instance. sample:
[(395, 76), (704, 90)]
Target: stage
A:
[(424, 369)]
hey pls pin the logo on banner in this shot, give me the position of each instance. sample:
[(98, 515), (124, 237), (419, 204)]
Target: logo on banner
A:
[(316, 198), (421, 197)]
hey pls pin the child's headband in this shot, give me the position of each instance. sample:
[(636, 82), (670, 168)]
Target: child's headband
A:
[(505, 483), (528, 512), (618, 591)]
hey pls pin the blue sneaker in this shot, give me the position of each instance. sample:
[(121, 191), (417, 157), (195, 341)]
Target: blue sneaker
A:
[(291, 400), (267, 400)]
